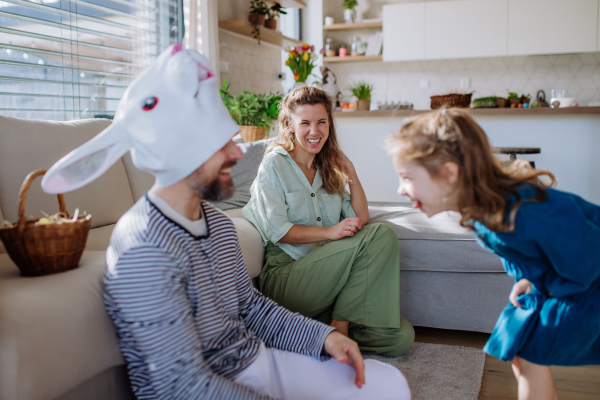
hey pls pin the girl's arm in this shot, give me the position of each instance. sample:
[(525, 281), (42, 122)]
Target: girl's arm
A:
[(357, 193)]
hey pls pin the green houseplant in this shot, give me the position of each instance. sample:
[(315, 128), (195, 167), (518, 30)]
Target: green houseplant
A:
[(253, 112), (514, 99), (362, 90), (258, 12), (273, 13), (485, 102), (349, 11)]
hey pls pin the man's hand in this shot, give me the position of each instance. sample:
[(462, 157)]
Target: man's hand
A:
[(346, 351), (521, 287), (348, 227)]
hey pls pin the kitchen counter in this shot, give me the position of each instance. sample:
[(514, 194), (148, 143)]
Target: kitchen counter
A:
[(476, 112), (569, 139)]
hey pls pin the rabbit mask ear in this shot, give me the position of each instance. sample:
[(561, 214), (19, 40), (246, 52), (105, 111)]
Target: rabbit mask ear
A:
[(87, 162)]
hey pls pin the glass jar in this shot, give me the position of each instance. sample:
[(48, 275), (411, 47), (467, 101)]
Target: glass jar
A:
[(357, 46), (329, 48)]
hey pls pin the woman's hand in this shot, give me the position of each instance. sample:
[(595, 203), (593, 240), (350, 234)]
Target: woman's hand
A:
[(521, 287), (346, 351), (347, 227)]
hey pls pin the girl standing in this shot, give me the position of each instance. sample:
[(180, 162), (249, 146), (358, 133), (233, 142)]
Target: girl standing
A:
[(548, 240)]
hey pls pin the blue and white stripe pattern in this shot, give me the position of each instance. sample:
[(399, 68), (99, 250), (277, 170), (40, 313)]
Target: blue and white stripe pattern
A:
[(187, 316)]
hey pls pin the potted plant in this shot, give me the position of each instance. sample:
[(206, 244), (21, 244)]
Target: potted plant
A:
[(273, 13), (301, 61), (258, 12), (349, 11), (253, 112), (514, 99), (525, 99), (362, 90), (502, 102)]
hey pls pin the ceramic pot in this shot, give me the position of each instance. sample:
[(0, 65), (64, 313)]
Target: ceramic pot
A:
[(515, 102), (298, 85), (260, 19), (502, 103), (363, 105), (252, 133), (271, 24), (349, 15)]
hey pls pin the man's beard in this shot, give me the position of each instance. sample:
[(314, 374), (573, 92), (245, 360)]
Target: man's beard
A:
[(213, 190)]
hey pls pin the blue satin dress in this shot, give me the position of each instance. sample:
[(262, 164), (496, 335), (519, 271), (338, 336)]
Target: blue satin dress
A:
[(556, 246)]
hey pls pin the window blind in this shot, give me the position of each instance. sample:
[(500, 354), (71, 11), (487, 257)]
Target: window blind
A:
[(72, 59)]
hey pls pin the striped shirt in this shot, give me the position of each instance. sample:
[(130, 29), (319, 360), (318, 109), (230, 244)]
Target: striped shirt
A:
[(187, 317)]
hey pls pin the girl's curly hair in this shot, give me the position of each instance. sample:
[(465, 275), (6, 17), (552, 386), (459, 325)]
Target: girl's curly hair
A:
[(485, 183)]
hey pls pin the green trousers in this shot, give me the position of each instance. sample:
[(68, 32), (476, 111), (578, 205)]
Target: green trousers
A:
[(355, 279)]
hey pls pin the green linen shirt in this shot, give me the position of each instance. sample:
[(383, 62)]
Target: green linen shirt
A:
[(282, 197)]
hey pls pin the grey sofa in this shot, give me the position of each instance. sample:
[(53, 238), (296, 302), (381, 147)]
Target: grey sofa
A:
[(56, 340)]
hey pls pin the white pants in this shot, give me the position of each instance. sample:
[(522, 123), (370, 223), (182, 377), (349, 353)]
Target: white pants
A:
[(291, 376)]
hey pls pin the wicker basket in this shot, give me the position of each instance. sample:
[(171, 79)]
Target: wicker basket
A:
[(451, 100), (252, 133), (45, 249)]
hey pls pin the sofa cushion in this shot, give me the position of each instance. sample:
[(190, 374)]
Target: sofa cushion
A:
[(243, 174), (54, 330), (251, 245), (27, 145), (2, 249), (438, 243), (99, 238), (139, 181)]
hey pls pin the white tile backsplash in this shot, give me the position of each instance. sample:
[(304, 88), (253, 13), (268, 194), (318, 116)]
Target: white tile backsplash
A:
[(252, 66), (578, 74)]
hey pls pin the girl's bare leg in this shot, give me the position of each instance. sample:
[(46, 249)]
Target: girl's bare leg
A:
[(341, 326), (535, 381)]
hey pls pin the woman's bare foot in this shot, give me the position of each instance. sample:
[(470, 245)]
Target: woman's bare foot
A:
[(341, 326)]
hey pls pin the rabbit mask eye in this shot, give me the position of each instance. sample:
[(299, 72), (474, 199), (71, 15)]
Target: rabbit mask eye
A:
[(150, 103)]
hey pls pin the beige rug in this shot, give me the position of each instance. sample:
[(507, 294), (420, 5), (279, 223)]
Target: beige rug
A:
[(439, 371)]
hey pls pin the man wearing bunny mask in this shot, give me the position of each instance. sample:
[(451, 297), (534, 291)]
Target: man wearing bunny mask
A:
[(190, 324)]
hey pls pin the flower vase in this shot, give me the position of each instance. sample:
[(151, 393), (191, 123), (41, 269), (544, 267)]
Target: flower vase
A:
[(349, 15)]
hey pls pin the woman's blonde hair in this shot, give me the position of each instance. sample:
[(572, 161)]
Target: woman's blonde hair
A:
[(485, 182), (328, 161)]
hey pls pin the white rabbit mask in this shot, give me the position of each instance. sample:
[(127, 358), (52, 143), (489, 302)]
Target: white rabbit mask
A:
[(171, 117)]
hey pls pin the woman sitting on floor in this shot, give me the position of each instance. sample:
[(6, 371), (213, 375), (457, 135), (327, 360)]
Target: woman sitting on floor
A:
[(320, 259)]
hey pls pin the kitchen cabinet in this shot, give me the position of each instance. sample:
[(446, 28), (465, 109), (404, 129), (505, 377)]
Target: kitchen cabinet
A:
[(404, 32), (466, 29), (552, 26)]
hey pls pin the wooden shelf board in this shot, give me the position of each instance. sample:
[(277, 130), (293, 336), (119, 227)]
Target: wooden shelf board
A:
[(352, 59), (243, 27), (289, 3), (477, 111), (358, 25)]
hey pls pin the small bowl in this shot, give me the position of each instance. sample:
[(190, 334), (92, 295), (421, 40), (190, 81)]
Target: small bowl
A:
[(564, 101)]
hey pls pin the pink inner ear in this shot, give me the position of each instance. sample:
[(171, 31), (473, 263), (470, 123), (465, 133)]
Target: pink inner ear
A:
[(208, 72), (177, 47)]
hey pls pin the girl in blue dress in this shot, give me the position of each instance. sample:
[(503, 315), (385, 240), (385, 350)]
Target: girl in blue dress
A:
[(548, 240)]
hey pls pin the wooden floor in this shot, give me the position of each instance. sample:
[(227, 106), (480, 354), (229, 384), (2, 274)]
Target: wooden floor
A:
[(573, 383)]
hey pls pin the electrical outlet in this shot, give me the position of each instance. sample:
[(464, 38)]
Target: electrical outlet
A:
[(279, 76), (223, 66), (465, 83)]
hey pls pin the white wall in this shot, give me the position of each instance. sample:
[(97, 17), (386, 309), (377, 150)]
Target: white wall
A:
[(569, 149)]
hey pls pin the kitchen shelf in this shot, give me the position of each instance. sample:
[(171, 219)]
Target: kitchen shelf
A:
[(358, 25), (289, 3), (477, 111), (352, 59), (243, 27)]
